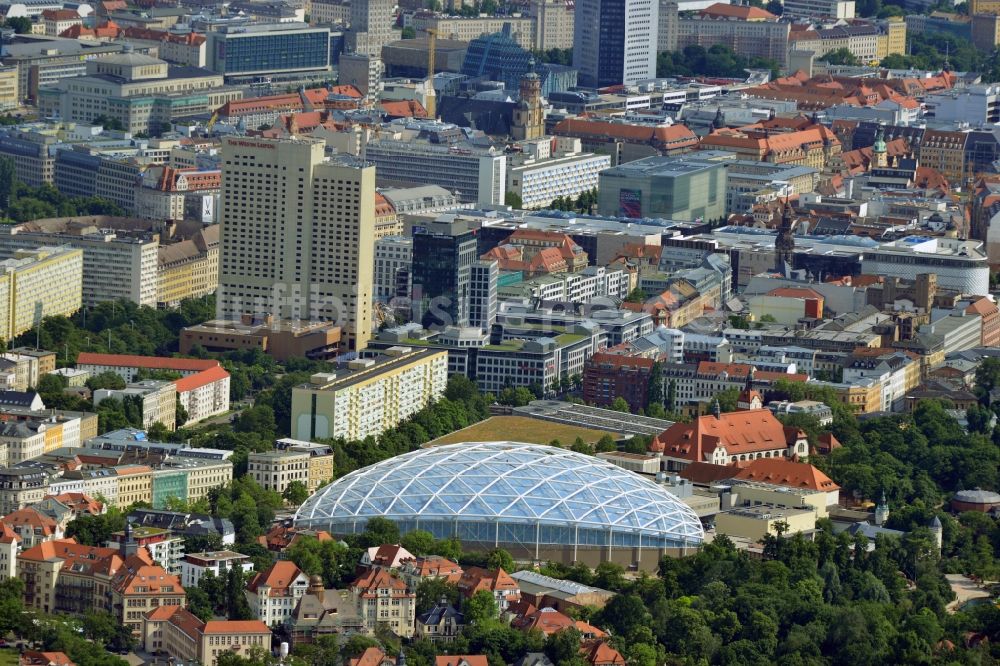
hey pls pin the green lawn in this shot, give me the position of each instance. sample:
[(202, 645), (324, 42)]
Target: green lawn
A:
[(520, 429), (8, 657)]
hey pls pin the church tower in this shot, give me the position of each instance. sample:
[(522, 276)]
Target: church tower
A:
[(529, 121), (880, 155), (784, 243)]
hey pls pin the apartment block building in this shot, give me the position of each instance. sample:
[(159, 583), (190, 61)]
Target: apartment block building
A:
[(275, 470), (203, 389), (369, 395), (465, 29), (35, 284), (158, 399), (115, 265)]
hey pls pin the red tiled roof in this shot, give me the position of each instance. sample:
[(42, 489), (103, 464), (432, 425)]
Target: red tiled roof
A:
[(148, 362), (60, 14), (749, 431), (34, 658), (380, 579), (786, 473), (32, 518), (203, 378), (477, 578), (278, 577), (235, 627), (137, 577), (404, 108), (744, 13), (373, 656), (78, 558), (461, 660), (621, 361), (795, 292)]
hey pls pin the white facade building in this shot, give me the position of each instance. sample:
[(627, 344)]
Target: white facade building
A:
[(393, 261), (539, 182), (960, 265), (218, 563)]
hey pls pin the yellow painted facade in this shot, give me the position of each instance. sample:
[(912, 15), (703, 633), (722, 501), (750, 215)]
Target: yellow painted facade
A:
[(36, 284)]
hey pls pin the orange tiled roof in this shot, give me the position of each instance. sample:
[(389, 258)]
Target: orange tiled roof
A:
[(404, 108), (749, 431), (79, 502), (795, 292), (982, 306), (77, 557), (461, 660), (477, 578), (60, 14), (31, 518), (786, 473), (380, 579), (148, 362), (8, 535), (434, 565), (203, 378), (372, 656), (235, 627), (34, 658), (598, 653), (137, 577), (278, 577), (744, 13)]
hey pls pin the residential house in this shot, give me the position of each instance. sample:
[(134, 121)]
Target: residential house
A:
[(273, 594), (504, 588), (383, 598), (324, 612), (441, 624)]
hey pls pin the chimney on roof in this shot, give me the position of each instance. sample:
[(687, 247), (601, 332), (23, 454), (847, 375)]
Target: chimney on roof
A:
[(717, 410)]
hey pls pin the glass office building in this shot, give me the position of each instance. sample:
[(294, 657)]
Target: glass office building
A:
[(269, 49)]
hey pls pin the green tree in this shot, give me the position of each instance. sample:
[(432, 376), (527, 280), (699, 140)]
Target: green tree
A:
[(841, 56), (430, 591), (19, 24), (513, 199), (7, 179), (418, 542), (295, 493), (481, 608), (106, 380), (637, 295), (498, 558), (408, 33), (620, 405)]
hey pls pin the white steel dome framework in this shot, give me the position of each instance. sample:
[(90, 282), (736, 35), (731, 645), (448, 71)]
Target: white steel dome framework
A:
[(508, 494)]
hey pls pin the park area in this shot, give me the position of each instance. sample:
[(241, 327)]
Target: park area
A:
[(521, 429)]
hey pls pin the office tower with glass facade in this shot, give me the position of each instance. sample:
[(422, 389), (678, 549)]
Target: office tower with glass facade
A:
[(614, 41), (268, 49), (443, 255), (483, 294), (298, 235)]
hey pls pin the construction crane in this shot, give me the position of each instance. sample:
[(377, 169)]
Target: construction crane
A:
[(211, 121), (430, 97)]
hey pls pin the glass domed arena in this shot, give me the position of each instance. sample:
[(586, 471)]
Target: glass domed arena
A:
[(538, 502)]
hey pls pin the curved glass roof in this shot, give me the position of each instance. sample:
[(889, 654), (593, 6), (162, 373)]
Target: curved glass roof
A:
[(505, 482)]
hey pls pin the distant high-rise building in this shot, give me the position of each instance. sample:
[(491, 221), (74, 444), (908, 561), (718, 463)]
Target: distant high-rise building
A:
[(371, 27), (443, 256), (297, 235), (615, 41), (483, 294)]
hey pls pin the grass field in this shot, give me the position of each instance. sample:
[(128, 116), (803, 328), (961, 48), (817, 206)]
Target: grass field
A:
[(8, 657), (520, 429)]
